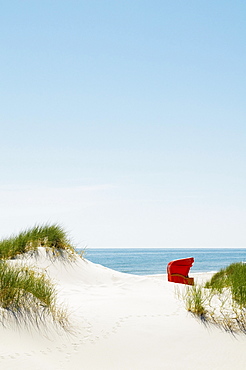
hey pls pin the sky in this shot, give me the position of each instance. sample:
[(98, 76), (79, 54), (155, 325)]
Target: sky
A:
[(124, 121)]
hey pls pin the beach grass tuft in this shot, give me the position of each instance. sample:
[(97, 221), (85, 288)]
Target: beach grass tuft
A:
[(21, 288), (232, 277), (52, 237), (194, 299), (222, 300), (26, 293)]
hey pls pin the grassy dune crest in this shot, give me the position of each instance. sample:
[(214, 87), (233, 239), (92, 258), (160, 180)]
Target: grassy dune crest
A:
[(233, 278), (222, 300), (53, 238), (25, 293)]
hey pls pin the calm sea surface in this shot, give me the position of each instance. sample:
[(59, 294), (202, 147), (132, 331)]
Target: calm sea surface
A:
[(149, 261)]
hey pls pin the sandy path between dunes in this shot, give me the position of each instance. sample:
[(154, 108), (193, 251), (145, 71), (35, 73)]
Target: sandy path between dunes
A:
[(121, 321)]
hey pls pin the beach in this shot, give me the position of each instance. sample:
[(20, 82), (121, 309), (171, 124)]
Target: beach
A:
[(117, 321)]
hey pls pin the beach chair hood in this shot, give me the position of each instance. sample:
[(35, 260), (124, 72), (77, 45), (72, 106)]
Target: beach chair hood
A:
[(178, 270)]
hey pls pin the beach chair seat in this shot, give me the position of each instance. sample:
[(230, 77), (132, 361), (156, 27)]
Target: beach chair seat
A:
[(178, 270)]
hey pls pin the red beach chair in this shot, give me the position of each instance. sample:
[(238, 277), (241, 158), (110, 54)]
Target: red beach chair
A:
[(178, 271)]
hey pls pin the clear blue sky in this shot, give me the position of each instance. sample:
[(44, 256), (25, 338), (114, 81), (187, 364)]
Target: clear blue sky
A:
[(125, 121)]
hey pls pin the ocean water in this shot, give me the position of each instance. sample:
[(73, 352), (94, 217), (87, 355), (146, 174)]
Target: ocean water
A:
[(150, 261)]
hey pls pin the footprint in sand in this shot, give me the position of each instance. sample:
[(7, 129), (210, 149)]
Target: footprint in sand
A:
[(60, 349)]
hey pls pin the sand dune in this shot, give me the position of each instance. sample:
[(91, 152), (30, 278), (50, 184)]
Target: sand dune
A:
[(119, 321)]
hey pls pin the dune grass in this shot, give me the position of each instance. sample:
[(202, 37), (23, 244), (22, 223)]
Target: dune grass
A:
[(195, 300), (25, 293), (232, 277), (222, 300), (52, 237), (19, 286)]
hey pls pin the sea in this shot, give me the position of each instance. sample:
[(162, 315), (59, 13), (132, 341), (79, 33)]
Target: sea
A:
[(152, 261)]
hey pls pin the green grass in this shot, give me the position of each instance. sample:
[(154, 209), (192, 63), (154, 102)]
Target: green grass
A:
[(25, 293), (28, 295), (195, 300), (52, 237), (23, 288), (222, 300), (232, 277)]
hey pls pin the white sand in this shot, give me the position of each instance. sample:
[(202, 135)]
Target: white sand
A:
[(121, 321)]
